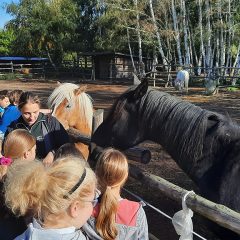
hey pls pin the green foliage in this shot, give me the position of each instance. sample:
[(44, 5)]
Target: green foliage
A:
[(60, 29), (8, 76), (43, 27), (7, 38), (87, 29)]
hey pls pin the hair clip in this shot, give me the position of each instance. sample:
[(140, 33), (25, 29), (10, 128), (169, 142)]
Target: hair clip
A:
[(5, 161), (77, 184)]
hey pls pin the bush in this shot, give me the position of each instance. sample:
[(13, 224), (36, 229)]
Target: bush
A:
[(7, 76)]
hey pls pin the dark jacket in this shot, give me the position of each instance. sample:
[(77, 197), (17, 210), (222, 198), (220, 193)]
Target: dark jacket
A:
[(48, 131), (10, 226)]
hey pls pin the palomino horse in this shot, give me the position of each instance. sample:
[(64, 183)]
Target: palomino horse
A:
[(74, 109), (204, 144), (181, 81)]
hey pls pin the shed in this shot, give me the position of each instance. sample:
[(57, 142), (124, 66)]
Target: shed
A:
[(111, 65)]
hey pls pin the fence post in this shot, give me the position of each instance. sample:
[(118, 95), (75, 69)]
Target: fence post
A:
[(111, 70), (12, 66), (97, 119)]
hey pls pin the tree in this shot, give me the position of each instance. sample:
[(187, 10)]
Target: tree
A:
[(42, 27), (7, 38)]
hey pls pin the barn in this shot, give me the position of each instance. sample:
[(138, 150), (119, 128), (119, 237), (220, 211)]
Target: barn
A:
[(112, 65)]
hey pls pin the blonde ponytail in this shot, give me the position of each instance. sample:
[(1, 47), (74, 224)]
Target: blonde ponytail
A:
[(111, 171), (105, 224), (24, 185), (42, 190)]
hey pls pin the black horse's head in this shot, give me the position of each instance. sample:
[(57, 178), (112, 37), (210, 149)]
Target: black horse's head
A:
[(121, 128)]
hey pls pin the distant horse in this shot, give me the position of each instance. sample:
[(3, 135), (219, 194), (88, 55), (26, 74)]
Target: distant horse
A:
[(206, 145), (181, 81), (74, 109)]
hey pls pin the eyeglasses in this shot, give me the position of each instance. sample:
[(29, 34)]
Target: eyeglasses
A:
[(94, 202), (96, 199)]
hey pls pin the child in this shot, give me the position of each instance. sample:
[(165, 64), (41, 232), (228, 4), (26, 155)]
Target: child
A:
[(11, 112), (19, 146), (68, 149), (4, 102), (62, 197), (115, 217), (14, 97)]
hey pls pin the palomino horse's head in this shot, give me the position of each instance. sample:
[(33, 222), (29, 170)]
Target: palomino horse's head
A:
[(121, 129), (72, 107)]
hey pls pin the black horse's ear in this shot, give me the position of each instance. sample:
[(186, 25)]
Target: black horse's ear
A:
[(141, 89)]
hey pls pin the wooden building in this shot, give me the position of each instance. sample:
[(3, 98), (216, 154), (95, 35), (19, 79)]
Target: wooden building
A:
[(110, 65)]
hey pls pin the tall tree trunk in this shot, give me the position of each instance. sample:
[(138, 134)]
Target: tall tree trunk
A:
[(202, 50), (236, 63), (141, 66), (217, 48), (130, 51), (186, 44), (50, 58), (177, 34), (192, 49), (164, 59), (209, 32), (230, 34), (222, 42)]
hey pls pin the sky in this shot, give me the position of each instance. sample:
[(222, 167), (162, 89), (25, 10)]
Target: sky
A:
[(4, 17)]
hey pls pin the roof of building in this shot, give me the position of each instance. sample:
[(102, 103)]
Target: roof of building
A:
[(23, 59), (104, 53)]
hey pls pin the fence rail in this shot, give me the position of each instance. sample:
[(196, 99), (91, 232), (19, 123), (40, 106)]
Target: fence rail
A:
[(218, 213), (22, 70), (159, 75)]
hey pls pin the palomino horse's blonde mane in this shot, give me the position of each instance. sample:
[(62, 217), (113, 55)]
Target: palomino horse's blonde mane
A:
[(66, 91)]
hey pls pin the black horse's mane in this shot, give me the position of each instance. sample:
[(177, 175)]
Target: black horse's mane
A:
[(182, 124), (178, 123)]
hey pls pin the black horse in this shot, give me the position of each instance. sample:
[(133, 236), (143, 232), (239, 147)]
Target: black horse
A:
[(205, 144)]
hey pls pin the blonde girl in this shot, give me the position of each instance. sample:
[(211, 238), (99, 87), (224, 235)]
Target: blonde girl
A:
[(18, 145), (115, 217), (61, 197)]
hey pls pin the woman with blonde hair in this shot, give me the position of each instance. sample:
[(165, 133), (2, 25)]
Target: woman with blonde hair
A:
[(61, 197), (20, 146), (115, 217)]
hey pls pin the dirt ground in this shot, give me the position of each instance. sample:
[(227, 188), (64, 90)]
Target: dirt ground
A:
[(103, 95)]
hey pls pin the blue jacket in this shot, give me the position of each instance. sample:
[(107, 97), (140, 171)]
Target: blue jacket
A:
[(10, 114)]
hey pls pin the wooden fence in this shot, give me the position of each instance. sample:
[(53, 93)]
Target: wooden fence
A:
[(218, 213), (22, 70), (163, 75)]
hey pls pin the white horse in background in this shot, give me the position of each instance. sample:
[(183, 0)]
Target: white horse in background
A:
[(181, 81)]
